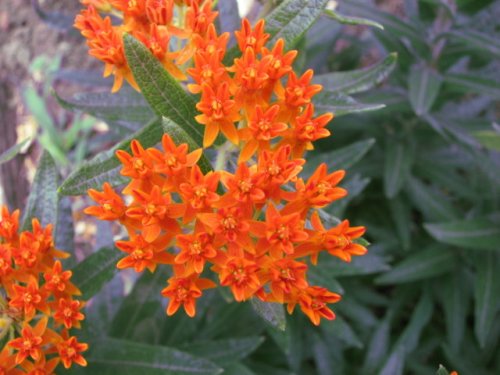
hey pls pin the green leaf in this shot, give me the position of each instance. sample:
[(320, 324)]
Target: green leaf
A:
[(486, 292), (43, 200), (12, 152), (378, 346), (292, 18), (475, 84), (94, 271), (136, 306), (226, 351), (488, 138), (164, 94), (362, 265), (477, 40), (126, 109), (340, 328), (340, 104), (455, 302), (179, 136), (424, 84), (346, 20), (238, 369), (395, 363), (401, 215), (476, 234), (344, 157), (112, 356), (354, 81), (397, 165), (422, 313), (432, 203), (105, 167), (272, 313), (422, 265)]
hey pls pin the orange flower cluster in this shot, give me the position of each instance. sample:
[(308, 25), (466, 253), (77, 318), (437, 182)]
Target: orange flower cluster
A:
[(153, 22), (34, 291), (256, 224)]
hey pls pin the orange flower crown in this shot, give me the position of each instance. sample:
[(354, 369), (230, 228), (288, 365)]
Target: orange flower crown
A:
[(35, 293), (253, 221)]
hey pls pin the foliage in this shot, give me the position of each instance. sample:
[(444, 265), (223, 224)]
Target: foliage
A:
[(416, 130)]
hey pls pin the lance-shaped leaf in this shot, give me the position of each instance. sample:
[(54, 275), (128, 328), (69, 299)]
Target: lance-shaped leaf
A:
[(112, 356), (105, 167), (344, 157), (477, 40), (43, 200), (12, 152), (164, 94), (475, 84), (433, 261), (486, 292), (93, 272), (442, 371), (341, 104), (348, 20), (226, 351), (424, 85), (359, 80), (272, 313), (490, 139), (290, 20), (397, 165), (476, 234), (126, 109)]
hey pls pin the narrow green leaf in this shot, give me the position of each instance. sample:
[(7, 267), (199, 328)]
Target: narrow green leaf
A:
[(424, 84), (363, 265), (43, 200), (346, 20), (292, 18), (111, 356), (401, 212), (344, 157), (272, 313), (397, 165), (135, 307), (340, 104), (455, 302), (105, 167), (395, 363), (488, 138), (476, 234), (354, 81), (477, 40), (432, 203), (12, 152), (126, 109), (238, 369), (344, 332), (378, 346), (179, 136), (94, 271), (422, 313), (486, 292), (163, 93), (224, 352), (475, 84), (422, 265)]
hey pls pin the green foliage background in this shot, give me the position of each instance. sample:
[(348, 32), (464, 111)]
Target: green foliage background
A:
[(415, 130)]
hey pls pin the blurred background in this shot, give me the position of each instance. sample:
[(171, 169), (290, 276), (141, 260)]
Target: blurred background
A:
[(417, 131)]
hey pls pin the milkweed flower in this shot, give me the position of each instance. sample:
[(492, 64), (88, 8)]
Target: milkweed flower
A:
[(253, 225), (39, 304)]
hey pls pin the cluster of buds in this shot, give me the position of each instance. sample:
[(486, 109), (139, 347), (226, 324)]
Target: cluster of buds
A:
[(253, 222), (37, 302), (153, 22)]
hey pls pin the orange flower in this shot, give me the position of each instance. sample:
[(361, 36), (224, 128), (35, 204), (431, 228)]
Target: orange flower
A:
[(184, 291), (299, 91), (29, 298), (9, 224), (69, 350), (253, 39), (199, 193), (242, 187), (287, 276), (58, 281), (313, 303), (219, 114), (280, 63), (144, 254), (31, 341), (111, 206), (68, 313), (240, 275), (196, 250)]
